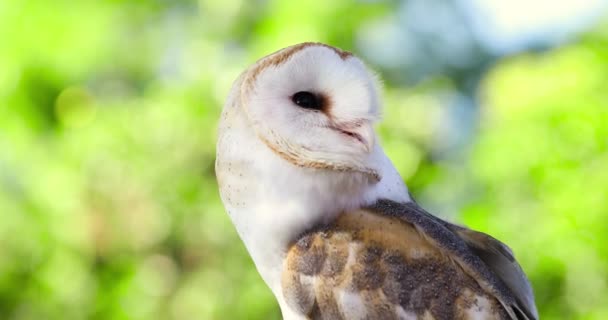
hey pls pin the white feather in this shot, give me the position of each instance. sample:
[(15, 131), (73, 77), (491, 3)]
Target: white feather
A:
[(352, 305), (269, 199)]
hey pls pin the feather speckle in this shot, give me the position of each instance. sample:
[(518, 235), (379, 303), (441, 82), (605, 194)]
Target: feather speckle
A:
[(387, 276)]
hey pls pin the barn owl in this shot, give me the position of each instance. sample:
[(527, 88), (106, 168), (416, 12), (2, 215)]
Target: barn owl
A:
[(325, 215)]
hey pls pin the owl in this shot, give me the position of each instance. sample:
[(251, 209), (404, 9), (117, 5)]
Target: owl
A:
[(326, 217)]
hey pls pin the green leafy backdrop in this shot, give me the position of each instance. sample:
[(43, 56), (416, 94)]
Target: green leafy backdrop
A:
[(108, 203)]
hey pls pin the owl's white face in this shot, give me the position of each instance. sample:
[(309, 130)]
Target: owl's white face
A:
[(315, 106)]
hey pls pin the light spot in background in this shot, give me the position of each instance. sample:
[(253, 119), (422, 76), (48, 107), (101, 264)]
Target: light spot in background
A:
[(586, 286), (405, 155), (414, 113), (65, 274), (157, 275), (199, 294), (381, 33), (522, 16), (506, 24), (220, 14), (74, 107), (9, 78)]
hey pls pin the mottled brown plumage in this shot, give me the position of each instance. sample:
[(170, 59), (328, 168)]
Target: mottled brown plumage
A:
[(395, 261)]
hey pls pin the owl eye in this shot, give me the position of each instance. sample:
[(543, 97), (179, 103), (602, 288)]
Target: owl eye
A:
[(307, 100)]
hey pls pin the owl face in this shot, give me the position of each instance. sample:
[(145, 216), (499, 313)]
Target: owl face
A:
[(313, 105)]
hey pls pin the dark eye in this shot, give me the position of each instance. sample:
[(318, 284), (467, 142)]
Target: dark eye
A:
[(307, 100)]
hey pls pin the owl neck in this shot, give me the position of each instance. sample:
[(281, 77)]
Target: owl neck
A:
[(271, 201)]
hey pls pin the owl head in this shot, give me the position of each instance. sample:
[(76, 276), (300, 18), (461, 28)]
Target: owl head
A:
[(313, 105)]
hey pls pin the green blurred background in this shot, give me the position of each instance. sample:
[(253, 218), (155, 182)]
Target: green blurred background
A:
[(109, 207)]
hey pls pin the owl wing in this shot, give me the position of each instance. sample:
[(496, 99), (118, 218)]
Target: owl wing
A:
[(396, 261), (500, 260)]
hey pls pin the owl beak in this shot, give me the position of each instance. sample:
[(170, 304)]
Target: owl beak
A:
[(361, 131)]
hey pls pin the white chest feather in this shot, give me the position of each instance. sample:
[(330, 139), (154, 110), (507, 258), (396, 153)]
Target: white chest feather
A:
[(272, 201)]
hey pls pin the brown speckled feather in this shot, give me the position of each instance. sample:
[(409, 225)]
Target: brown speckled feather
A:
[(395, 261)]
